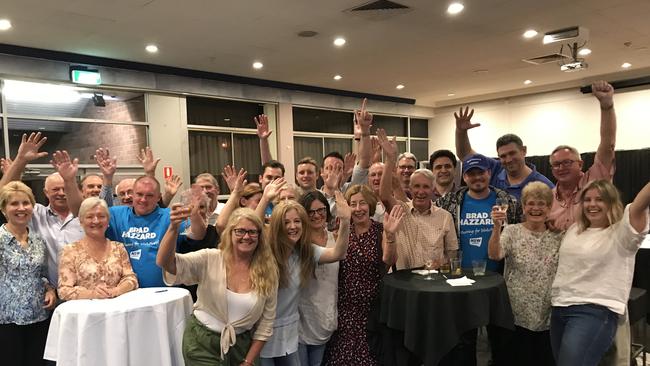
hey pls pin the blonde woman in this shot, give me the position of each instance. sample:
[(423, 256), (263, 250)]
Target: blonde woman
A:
[(25, 294), (95, 267), (594, 274), (237, 288)]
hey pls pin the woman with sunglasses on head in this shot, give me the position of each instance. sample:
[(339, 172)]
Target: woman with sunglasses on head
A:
[(237, 288), (371, 252), (290, 238), (594, 274)]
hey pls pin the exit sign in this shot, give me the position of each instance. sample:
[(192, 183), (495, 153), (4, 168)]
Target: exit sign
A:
[(88, 77)]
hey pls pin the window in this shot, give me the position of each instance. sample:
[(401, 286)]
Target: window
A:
[(223, 132)]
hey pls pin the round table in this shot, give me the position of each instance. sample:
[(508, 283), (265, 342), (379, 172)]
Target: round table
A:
[(433, 315), (141, 327)]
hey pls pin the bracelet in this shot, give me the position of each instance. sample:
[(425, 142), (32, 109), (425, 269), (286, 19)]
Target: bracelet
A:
[(247, 362)]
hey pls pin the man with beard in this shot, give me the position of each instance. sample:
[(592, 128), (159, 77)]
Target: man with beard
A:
[(427, 231), (511, 172)]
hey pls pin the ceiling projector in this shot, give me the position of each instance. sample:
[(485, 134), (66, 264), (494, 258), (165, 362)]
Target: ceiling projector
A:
[(574, 66)]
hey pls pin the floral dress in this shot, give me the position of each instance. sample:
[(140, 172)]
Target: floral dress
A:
[(359, 279)]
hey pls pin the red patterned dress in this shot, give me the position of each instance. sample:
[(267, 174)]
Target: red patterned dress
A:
[(359, 277)]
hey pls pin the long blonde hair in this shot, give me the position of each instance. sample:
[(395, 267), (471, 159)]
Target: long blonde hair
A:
[(282, 246), (609, 194), (263, 269)]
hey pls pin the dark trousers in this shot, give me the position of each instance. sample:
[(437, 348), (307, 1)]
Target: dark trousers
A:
[(23, 345), (531, 348)]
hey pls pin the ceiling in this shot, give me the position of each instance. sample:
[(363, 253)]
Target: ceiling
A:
[(430, 52)]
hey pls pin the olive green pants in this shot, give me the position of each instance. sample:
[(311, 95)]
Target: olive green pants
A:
[(201, 346)]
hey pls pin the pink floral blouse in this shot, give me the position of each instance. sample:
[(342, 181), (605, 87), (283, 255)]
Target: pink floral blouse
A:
[(79, 272)]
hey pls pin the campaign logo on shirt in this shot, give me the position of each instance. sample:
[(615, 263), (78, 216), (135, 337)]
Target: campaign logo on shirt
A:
[(476, 218), (475, 241), (139, 233), (135, 255)]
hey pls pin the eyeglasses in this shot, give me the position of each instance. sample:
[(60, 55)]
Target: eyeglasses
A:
[(564, 164), (240, 233), (321, 211)]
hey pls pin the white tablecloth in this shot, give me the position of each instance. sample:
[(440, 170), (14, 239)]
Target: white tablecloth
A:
[(142, 327)]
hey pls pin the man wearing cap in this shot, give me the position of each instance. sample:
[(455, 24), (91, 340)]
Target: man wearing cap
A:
[(511, 172), (471, 208)]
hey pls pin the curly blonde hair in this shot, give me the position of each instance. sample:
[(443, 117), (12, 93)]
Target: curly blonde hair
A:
[(263, 268), (282, 246)]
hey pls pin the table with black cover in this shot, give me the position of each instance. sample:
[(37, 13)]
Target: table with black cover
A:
[(430, 316)]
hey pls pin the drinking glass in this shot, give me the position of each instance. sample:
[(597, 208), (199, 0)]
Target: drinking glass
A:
[(444, 266), (478, 266), (501, 204), (428, 265)]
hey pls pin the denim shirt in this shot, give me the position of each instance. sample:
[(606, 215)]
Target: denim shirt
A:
[(22, 279)]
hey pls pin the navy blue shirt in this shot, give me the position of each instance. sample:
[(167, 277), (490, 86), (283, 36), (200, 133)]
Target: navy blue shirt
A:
[(499, 178)]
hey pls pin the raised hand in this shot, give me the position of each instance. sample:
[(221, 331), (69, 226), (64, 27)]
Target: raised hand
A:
[(332, 177), (5, 164), (65, 166), (393, 219), (604, 92), (106, 164), (179, 213), (149, 163), (389, 146), (343, 210), (230, 176), (29, 146), (362, 120), (272, 190), (464, 119), (498, 217), (262, 123), (172, 184)]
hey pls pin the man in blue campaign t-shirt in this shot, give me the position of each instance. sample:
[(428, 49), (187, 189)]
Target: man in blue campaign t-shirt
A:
[(475, 228), (141, 228)]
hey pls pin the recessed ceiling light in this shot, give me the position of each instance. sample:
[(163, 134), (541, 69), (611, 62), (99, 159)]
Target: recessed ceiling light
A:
[(339, 41), (528, 82), (399, 87), (584, 52), (626, 65), (455, 8), (5, 24), (258, 65), (151, 48), (451, 94), (338, 77), (530, 33)]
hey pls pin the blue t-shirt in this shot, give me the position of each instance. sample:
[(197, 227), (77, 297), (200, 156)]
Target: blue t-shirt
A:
[(475, 229), (141, 236)]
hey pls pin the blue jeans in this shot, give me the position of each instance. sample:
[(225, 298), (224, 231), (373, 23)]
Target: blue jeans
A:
[(288, 360), (311, 355), (581, 334)]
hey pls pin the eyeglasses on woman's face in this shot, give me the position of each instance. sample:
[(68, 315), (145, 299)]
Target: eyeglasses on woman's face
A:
[(240, 233), (320, 211)]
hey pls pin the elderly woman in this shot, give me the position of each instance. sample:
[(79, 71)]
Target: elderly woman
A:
[(297, 257), (594, 274), (95, 267), (317, 301), (531, 255), (371, 251), (25, 294), (236, 295)]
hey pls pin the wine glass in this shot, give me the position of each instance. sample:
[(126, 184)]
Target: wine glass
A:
[(428, 265), (501, 204)]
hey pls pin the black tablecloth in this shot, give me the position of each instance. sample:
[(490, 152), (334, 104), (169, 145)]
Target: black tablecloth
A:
[(431, 315)]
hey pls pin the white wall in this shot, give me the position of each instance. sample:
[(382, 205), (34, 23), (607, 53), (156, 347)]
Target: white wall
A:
[(546, 120)]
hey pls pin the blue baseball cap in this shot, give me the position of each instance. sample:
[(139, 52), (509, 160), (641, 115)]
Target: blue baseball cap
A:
[(476, 161)]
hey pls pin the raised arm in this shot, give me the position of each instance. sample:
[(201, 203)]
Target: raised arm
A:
[(376, 150), (392, 221), (605, 95), (344, 213), (68, 168), (639, 209), (107, 165), (386, 183), (166, 257), (362, 124), (235, 194), (27, 152), (271, 191), (464, 123), (263, 132), (148, 161), (495, 252)]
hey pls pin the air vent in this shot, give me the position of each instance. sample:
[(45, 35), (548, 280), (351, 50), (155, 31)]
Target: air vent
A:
[(546, 59), (379, 10)]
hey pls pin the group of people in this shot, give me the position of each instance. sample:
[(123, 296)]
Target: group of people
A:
[(289, 274)]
